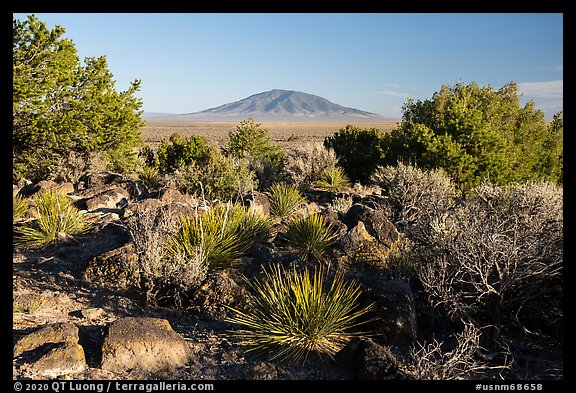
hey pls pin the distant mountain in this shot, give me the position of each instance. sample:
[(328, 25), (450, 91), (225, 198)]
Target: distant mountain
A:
[(282, 105), (157, 115)]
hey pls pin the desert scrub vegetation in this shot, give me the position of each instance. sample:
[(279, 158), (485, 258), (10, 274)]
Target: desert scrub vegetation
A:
[(252, 142), (306, 162), (175, 253), (294, 314), (223, 233), (195, 167), (284, 199), (341, 205), (54, 220), (309, 236), (221, 177), (496, 260), (415, 194), (165, 276)]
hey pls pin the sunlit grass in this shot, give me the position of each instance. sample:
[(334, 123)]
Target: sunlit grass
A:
[(19, 208)]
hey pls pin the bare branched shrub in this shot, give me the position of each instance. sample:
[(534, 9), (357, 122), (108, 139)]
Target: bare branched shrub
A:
[(306, 162), (151, 232), (70, 168), (431, 361), (497, 259), (415, 194)]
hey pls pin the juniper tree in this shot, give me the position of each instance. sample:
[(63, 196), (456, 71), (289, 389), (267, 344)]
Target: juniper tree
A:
[(474, 132), (61, 105)]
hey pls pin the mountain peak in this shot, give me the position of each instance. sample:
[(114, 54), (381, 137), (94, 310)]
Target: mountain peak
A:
[(283, 105)]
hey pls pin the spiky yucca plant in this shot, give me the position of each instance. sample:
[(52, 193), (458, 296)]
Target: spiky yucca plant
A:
[(150, 177), (19, 208), (332, 179), (223, 233), (55, 220), (294, 314), (310, 236), (284, 199)]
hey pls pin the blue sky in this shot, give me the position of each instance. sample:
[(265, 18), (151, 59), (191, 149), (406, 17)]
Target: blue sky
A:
[(373, 62)]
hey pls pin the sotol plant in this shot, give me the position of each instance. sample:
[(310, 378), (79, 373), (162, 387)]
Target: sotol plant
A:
[(295, 314), (19, 208), (55, 220), (332, 179), (284, 199), (224, 233), (310, 236)]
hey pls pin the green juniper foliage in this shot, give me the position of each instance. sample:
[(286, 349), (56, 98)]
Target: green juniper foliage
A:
[(475, 132), (295, 314), (252, 142), (177, 152), (358, 150), (60, 105), (472, 132)]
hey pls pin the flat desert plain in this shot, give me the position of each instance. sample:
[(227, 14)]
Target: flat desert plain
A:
[(280, 132)]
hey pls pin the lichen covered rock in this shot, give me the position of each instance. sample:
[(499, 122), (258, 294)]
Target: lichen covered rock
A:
[(145, 344)]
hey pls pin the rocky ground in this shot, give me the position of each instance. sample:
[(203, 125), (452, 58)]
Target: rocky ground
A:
[(79, 313)]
